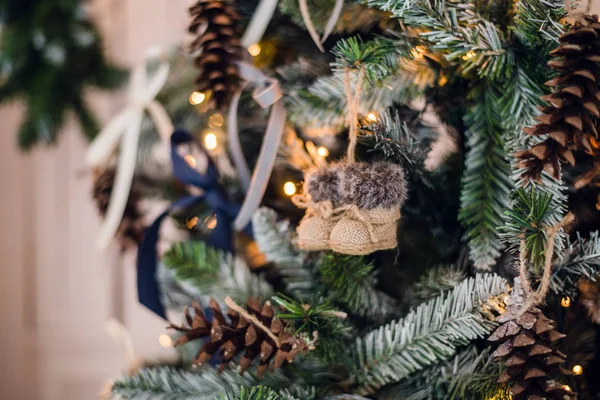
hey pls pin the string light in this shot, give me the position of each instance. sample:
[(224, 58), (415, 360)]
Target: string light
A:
[(211, 222), (567, 388), (210, 141), (470, 54), (197, 98), (165, 340), (289, 188), (254, 49), (191, 222), (322, 151), (417, 52), (577, 369), (565, 302), (372, 117), (215, 121), (190, 160)]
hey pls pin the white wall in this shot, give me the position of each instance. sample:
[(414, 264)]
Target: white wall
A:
[(56, 289)]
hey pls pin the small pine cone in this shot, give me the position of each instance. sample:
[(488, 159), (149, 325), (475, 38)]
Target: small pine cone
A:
[(132, 228), (237, 334), (570, 120), (531, 361), (216, 48), (590, 298)]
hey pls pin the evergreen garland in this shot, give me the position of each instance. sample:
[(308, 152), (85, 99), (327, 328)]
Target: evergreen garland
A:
[(51, 53)]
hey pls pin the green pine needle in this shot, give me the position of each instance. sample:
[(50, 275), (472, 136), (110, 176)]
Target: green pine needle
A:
[(428, 334), (351, 281)]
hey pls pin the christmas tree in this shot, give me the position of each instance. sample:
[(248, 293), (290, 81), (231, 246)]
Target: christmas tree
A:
[(427, 227)]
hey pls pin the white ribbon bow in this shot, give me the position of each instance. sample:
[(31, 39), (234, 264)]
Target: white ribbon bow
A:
[(267, 93), (126, 126), (264, 12), (333, 18)]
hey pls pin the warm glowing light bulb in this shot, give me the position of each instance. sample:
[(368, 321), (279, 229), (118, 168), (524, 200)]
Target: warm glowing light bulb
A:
[(470, 54), (211, 222), (567, 388), (191, 222), (289, 188), (254, 49), (322, 151), (372, 117), (215, 121), (165, 340), (197, 98), (210, 141), (190, 160), (577, 370), (565, 302)]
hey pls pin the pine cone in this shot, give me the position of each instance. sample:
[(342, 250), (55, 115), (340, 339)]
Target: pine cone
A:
[(236, 334), (132, 228), (526, 348), (216, 49), (590, 298), (569, 120)]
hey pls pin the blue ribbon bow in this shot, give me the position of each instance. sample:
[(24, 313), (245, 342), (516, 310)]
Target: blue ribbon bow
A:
[(221, 237)]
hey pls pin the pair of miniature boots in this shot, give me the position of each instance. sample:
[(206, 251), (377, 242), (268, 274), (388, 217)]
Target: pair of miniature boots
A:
[(351, 208)]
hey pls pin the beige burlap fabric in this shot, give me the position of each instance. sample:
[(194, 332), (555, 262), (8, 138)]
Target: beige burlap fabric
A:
[(361, 232), (345, 229)]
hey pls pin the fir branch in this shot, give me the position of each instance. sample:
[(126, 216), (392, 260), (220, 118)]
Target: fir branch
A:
[(351, 281), (194, 261), (486, 184), (581, 259), (433, 283), (377, 57), (212, 272), (527, 220), (428, 334), (166, 383), (393, 138), (469, 374), (259, 393), (274, 240), (538, 22)]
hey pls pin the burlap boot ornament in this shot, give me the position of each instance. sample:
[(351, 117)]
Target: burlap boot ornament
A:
[(321, 195)]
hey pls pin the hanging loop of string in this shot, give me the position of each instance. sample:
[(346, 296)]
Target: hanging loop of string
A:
[(352, 101), (535, 298)]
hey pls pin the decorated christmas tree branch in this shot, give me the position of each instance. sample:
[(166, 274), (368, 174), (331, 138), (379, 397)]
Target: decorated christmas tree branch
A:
[(165, 383), (433, 330), (486, 184), (469, 374), (212, 272), (351, 281), (581, 259), (434, 282)]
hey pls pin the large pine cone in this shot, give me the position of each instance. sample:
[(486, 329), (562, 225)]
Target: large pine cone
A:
[(216, 49), (569, 120), (236, 334), (132, 227), (530, 359)]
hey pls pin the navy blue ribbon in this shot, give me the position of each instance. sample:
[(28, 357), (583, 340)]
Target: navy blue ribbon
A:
[(221, 237)]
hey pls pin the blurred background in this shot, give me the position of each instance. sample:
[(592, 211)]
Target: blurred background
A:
[(59, 294)]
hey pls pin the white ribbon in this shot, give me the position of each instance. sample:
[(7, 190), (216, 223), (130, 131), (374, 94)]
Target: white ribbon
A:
[(260, 20), (333, 18), (267, 93), (126, 127)]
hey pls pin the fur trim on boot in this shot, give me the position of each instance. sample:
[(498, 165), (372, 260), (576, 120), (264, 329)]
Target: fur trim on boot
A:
[(373, 185), (324, 184)]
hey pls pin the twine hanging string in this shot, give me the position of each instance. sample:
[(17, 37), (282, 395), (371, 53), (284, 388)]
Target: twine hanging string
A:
[(233, 305), (535, 298), (352, 101)]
